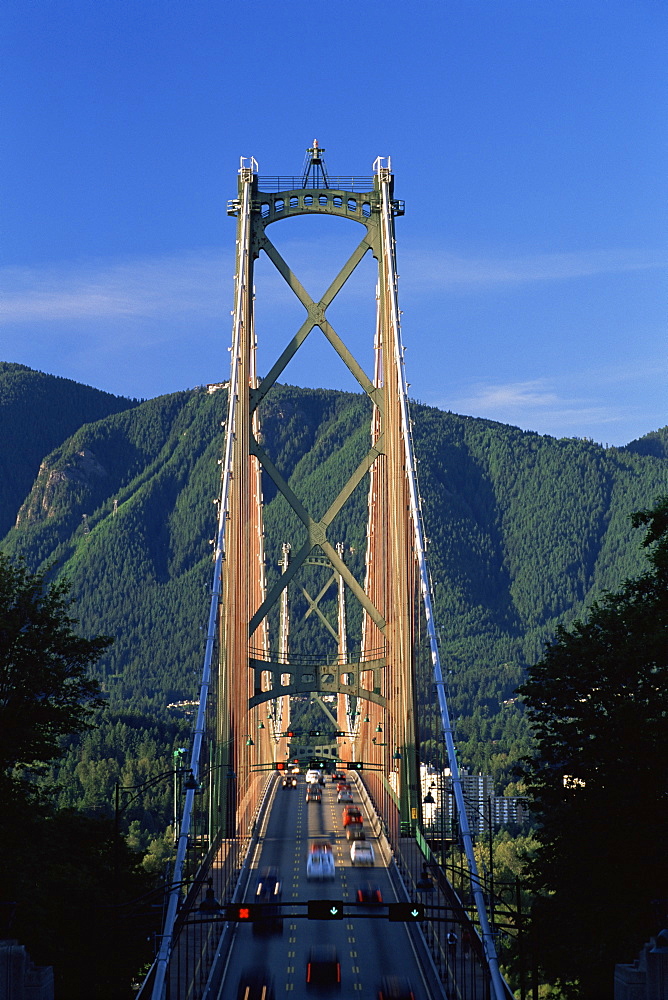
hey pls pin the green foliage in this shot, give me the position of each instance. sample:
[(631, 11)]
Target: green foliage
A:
[(75, 889), (655, 443), (46, 692), (598, 706), (65, 873)]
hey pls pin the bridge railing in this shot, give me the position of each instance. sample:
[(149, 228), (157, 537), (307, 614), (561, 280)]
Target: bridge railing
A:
[(286, 182), (197, 931)]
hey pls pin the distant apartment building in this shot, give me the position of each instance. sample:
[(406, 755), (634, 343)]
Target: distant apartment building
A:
[(483, 807)]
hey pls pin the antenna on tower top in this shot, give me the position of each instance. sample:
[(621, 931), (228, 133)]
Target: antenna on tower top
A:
[(314, 167)]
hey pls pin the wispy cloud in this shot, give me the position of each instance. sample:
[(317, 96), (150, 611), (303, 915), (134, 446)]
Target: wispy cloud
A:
[(431, 269), (559, 406), (200, 283), (511, 395), (538, 404), (193, 283)]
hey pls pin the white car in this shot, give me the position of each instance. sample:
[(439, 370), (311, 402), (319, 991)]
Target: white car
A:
[(320, 866), (312, 777), (361, 853)]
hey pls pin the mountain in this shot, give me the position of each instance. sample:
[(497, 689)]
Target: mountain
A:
[(37, 413), (655, 443), (525, 531)]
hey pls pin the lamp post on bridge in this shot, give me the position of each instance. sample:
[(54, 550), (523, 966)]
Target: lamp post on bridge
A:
[(190, 782)]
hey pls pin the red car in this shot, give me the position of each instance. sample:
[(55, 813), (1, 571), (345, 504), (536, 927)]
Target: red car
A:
[(352, 814), (368, 893), (323, 967)]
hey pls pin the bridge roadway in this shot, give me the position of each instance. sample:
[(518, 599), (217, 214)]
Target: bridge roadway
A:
[(367, 948)]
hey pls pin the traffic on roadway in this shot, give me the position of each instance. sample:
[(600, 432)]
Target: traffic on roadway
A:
[(317, 847)]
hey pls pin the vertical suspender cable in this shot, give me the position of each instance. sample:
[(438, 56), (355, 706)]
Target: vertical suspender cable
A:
[(498, 985), (162, 960)]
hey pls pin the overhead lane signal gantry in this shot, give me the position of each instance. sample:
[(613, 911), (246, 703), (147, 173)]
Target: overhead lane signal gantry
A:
[(325, 909)]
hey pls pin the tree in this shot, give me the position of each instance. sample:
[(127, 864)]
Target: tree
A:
[(598, 707), (46, 692), (66, 878)]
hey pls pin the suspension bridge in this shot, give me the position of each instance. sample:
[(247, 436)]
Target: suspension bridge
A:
[(242, 815)]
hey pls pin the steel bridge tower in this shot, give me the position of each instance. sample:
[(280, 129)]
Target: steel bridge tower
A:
[(370, 679), (375, 685)]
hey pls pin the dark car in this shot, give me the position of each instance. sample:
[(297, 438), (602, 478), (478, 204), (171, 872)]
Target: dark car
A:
[(256, 984), (369, 893), (323, 967), (313, 793), (355, 831), (395, 988), (268, 893)]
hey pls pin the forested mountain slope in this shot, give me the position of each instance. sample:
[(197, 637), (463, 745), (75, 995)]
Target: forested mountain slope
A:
[(524, 531), (37, 413)]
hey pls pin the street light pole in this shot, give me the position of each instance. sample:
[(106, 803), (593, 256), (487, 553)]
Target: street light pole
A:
[(179, 754), (137, 789), (491, 861)]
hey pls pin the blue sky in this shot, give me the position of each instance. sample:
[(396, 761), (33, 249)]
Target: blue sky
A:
[(528, 139)]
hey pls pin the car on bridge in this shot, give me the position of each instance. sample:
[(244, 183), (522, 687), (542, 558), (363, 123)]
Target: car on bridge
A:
[(320, 865), (313, 793), (268, 892), (345, 795), (355, 831), (361, 853), (323, 967), (352, 814), (369, 894), (256, 984), (395, 988)]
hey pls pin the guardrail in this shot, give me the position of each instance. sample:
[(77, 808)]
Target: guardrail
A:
[(285, 182), (197, 944)]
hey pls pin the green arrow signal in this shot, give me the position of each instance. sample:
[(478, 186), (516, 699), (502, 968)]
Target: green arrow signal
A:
[(325, 909), (405, 911)]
